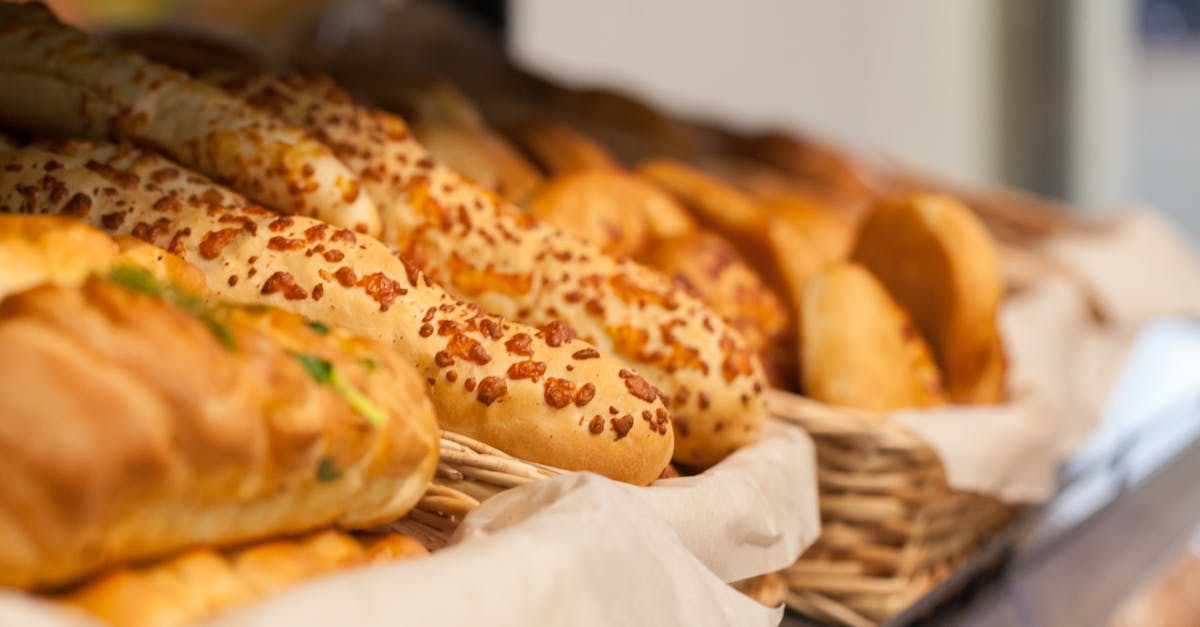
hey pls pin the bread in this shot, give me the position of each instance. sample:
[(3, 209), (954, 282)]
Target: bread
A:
[(612, 209), (558, 149), (712, 269), (178, 424), (815, 162), (200, 583), (508, 263), (860, 349), (483, 157), (830, 232), (59, 81), (161, 264), (47, 249), (535, 393), (937, 260), (769, 590)]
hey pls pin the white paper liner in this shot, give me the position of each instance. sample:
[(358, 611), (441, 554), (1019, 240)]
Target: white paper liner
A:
[(1063, 364)]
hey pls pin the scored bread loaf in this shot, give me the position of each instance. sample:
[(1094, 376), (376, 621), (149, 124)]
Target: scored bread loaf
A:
[(177, 423), (59, 81), (199, 583), (538, 394), (509, 263)]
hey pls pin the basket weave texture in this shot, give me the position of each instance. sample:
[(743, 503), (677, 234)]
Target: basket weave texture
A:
[(892, 527)]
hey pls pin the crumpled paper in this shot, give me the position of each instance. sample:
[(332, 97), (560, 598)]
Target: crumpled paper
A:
[(576, 549), (1064, 364)]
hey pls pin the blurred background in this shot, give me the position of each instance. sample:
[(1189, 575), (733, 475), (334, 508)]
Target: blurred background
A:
[(1096, 102)]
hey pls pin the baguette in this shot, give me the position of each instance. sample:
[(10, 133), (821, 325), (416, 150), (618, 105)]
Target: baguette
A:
[(537, 394), (200, 583), (177, 424), (47, 249), (59, 81), (483, 250)]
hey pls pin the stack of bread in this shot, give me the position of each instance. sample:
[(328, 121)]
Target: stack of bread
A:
[(236, 307)]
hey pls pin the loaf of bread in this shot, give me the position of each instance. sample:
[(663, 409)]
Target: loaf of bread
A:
[(937, 260), (490, 253), (712, 269), (40, 250), (200, 583), (860, 349), (559, 149), (539, 394), (59, 81), (178, 423), (482, 156)]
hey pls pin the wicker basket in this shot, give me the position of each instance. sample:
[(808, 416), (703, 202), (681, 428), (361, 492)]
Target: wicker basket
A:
[(891, 526), (468, 473)]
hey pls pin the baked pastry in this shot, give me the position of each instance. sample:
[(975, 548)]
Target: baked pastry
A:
[(558, 149), (178, 423), (860, 349), (937, 260), (539, 394), (200, 583), (712, 269), (508, 263), (46, 249), (482, 156), (612, 209), (59, 81)]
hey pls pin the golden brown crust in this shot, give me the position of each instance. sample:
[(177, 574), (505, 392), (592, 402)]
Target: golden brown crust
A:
[(536, 393), (711, 268), (615, 210), (161, 264), (177, 425), (483, 250), (937, 260), (199, 583), (860, 349), (59, 81), (483, 157), (48, 249), (558, 149)]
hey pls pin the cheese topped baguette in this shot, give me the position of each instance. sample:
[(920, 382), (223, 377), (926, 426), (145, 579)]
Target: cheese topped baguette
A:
[(60, 81), (486, 251), (539, 394), (177, 423)]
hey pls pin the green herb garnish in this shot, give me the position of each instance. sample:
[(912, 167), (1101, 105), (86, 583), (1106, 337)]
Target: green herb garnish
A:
[(367, 364), (326, 471), (317, 326), (321, 370), (142, 281)]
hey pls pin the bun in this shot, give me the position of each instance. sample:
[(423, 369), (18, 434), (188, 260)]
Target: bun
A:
[(937, 260), (200, 583), (180, 424), (48, 249), (488, 252), (59, 81), (560, 150), (537, 394), (861, 350)]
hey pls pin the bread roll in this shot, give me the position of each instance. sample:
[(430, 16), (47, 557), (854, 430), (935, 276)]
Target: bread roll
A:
[(558, 149), (538, 394), (488, 252), (48, 249), (711, 268), (177, 424), (161, 264), (200, 583), (937, 260), (483, 157), (59, 81), (861, 350)]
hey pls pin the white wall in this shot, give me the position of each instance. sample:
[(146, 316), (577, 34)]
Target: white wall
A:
[(913, 78)]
